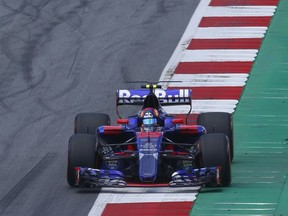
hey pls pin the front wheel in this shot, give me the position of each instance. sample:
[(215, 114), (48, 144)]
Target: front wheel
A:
[(214, 151), (218, 122), (81, 153), (87, 123)]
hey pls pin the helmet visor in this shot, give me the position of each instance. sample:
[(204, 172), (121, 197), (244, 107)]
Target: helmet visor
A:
[(150, 121)]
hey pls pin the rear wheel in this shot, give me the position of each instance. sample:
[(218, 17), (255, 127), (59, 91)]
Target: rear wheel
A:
[(81, 153), (214, 151), (218, 122), (87, 123)]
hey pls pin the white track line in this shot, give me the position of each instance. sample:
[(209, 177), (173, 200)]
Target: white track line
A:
[(222, 55), (240, 11), (202, 80), (200, 106), (230, 32)]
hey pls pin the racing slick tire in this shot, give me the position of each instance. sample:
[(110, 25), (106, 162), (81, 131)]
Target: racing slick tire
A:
[(81, 153), (214, 151), (87, 123), (218, 122)]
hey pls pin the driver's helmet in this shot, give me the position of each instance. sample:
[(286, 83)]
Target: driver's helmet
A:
[(149, 117)]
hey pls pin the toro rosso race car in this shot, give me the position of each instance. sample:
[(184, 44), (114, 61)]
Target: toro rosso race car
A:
[(151, 147)]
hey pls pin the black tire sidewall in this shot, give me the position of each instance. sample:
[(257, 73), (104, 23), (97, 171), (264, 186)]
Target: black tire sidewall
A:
[(218, 122), (214, 151), (81, 153), (87, 123)]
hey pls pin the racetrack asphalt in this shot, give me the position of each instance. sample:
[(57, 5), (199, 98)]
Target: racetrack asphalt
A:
[(59, 58)]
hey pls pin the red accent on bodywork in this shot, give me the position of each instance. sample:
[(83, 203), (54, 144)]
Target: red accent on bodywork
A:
[(169, 147), (130, 148), (122, 121), (155, 134), (148, 134), (177, 121), (142, 134), (188, 129), (112, 130), (77, 170), (192, 118), (124, 154)]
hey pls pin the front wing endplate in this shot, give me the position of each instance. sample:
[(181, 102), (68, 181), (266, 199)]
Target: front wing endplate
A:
[(99, 178), (196, 177)]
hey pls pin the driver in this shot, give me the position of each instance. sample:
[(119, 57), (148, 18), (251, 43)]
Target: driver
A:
[(149, 118)]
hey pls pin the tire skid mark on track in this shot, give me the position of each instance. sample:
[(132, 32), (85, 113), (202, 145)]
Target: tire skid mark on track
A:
[(40, 79), (73, 62), (68, 88), (28, 46), (24, 9), (33, 35), (73, 17), (4, 108), (53, 115), (27, 179), (30, 41)]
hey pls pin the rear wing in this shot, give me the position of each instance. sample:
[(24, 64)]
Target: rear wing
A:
[(166, 97)]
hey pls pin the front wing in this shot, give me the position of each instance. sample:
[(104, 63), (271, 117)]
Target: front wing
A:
[(181, 178)]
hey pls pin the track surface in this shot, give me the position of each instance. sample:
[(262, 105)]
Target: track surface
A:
[(59, 58)]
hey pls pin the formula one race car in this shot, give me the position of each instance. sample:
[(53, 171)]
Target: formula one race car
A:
[(151, 147)]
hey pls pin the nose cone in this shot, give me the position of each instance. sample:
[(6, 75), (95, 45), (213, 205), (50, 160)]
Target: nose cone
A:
[(148, 144), (148, 167)]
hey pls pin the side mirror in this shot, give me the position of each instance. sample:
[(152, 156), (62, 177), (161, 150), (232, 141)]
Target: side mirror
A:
[(178, 121), (122, 121)]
